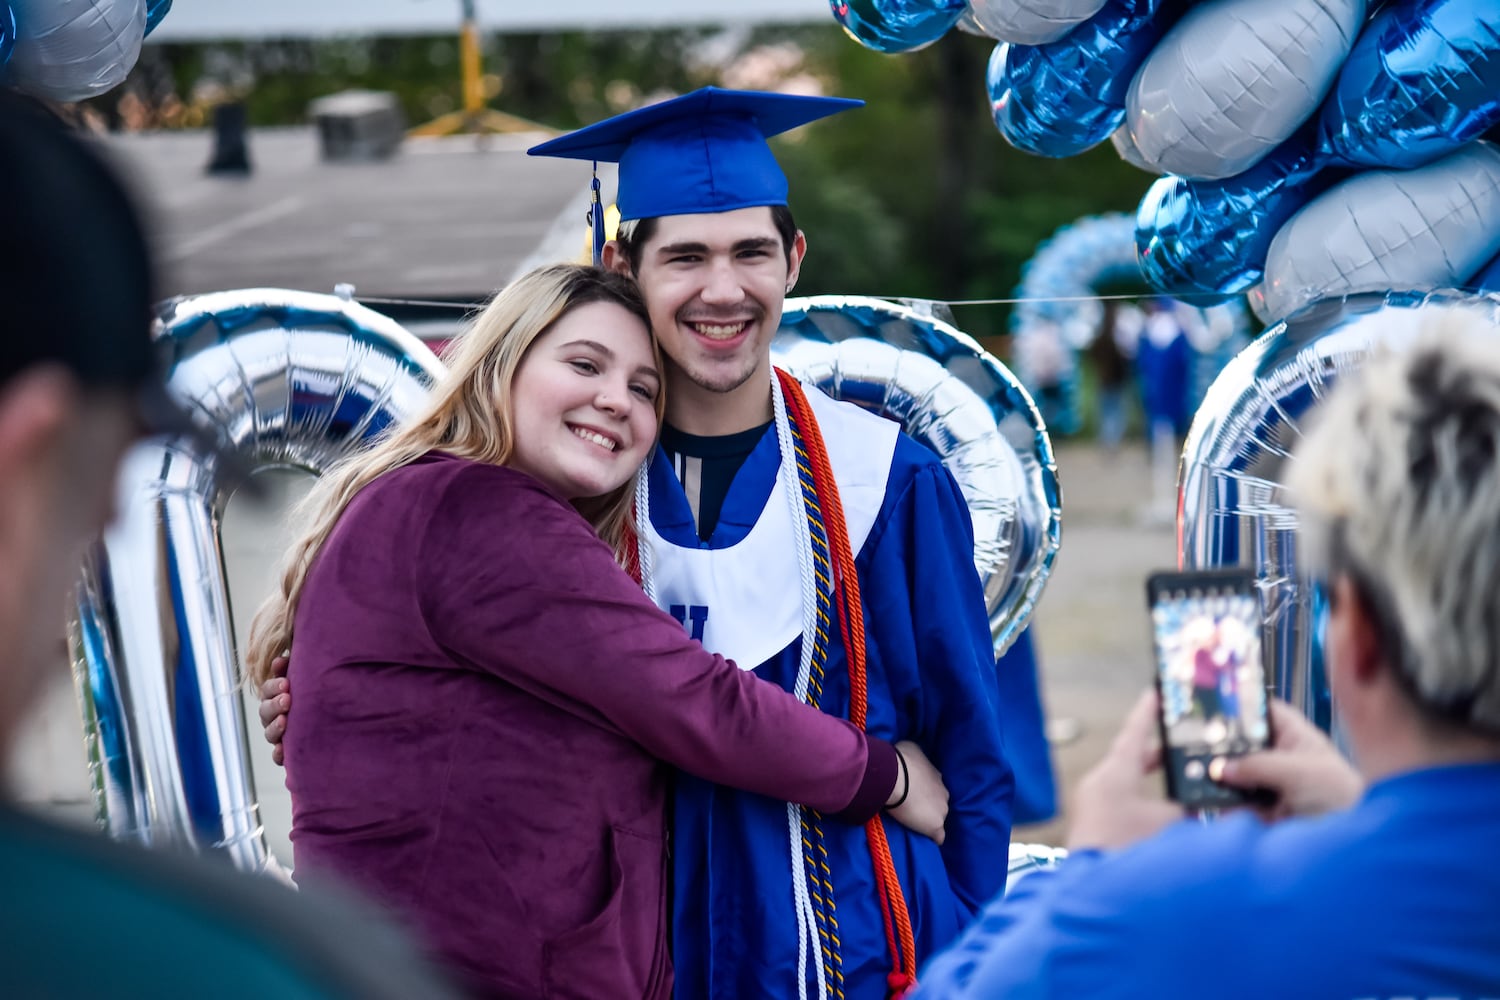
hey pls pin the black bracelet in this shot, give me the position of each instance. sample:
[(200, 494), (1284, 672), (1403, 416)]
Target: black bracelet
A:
[(906, 781)]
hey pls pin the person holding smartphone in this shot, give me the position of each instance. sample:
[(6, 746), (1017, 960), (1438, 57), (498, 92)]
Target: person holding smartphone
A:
[(1375, 881)]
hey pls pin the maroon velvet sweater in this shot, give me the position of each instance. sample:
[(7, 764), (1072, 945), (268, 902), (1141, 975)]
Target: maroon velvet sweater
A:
[(485, 711)]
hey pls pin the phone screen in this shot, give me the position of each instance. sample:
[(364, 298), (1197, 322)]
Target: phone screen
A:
[(1211, 676)]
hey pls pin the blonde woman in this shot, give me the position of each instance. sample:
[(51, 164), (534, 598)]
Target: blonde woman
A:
[(485, 698)]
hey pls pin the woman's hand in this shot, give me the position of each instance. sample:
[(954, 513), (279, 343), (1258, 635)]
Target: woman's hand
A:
[(275, 703), (1303, 768), (921, 793)]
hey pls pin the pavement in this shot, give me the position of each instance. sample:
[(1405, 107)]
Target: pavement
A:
[(444, 217), (1092, 632)]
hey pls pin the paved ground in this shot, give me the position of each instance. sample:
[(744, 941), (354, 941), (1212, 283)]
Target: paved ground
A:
[(443, 217), (1093, 637)]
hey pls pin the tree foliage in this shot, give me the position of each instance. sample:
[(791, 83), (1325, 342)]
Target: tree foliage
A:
[(916, 195)]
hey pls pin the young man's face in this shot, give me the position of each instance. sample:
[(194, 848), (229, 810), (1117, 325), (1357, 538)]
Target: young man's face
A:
[(714, 286)]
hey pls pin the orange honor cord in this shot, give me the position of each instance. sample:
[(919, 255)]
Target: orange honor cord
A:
[(852, 626), (632, 553)]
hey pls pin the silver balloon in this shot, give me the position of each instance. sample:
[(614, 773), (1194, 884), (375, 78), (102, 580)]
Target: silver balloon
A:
[(1234, 510), (1430, 227), (292, 379), (957, 399), (1233, 80), (1126, 148), (69, 50), (966, 24), (1031, 22), (1028, 859)]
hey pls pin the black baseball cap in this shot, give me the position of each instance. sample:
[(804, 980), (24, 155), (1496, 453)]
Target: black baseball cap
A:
[(77, 285)]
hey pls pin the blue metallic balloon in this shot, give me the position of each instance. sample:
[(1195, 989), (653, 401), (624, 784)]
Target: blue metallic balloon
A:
[(1067, 96), (1488, 278), (897, 25), (1421, 81), (155, 11), (7, 35), (1212, 236)]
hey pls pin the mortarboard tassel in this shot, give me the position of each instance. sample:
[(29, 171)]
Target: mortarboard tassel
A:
[(596, 219)]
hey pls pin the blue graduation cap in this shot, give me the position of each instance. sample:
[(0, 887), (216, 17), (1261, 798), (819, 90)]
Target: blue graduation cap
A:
[(702, 152)]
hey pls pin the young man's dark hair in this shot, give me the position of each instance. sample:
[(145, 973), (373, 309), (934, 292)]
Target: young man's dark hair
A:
[(634, 234)]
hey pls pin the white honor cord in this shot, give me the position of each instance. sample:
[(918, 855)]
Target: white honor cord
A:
[(807, 923), (643, 553), (807, 933)]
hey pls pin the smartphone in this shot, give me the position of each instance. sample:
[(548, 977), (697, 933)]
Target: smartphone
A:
[(1211, 677)]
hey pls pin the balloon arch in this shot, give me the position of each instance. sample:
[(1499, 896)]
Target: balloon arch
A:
[(1060, 314)]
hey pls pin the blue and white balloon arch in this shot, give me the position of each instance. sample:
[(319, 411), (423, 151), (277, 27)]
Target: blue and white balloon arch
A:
[(1060, 314)]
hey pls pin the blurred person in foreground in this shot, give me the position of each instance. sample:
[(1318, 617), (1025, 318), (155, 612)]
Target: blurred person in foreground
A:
[(83, 916), (1375, 882)]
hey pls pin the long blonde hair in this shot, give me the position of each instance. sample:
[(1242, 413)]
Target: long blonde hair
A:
[(469, 416)]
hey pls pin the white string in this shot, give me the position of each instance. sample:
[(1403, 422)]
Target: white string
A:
[(644, 558), (473, 306), (806, 919), (807, 934)]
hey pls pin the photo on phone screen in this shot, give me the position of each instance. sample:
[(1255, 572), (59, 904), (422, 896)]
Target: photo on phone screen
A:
[(1210, 673)]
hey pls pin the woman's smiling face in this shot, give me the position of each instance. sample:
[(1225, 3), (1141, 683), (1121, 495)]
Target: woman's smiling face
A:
[(584, 400)]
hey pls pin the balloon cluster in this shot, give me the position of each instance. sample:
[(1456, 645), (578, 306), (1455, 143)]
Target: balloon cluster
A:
[(1310, 148), (1235, 509), (1059, 315), (69, 50)]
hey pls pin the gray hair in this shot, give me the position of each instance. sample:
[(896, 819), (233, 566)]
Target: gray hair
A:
[(1398, 483)]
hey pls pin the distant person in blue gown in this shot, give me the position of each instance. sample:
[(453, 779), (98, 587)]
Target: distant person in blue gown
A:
[(1026, 745)]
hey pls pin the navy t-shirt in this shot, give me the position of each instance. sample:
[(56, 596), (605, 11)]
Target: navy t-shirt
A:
[(706, 467)]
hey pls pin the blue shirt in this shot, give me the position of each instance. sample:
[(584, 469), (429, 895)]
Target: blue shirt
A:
[(1396, 897)]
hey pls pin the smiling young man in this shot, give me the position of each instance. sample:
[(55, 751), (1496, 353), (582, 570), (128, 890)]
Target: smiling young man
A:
[(846, 575)]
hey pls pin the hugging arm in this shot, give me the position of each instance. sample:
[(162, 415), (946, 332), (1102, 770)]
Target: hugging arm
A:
[(544, 605)]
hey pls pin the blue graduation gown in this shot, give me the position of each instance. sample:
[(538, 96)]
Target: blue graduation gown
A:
[(1026, 732), (1393, 898), (931, 672)]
